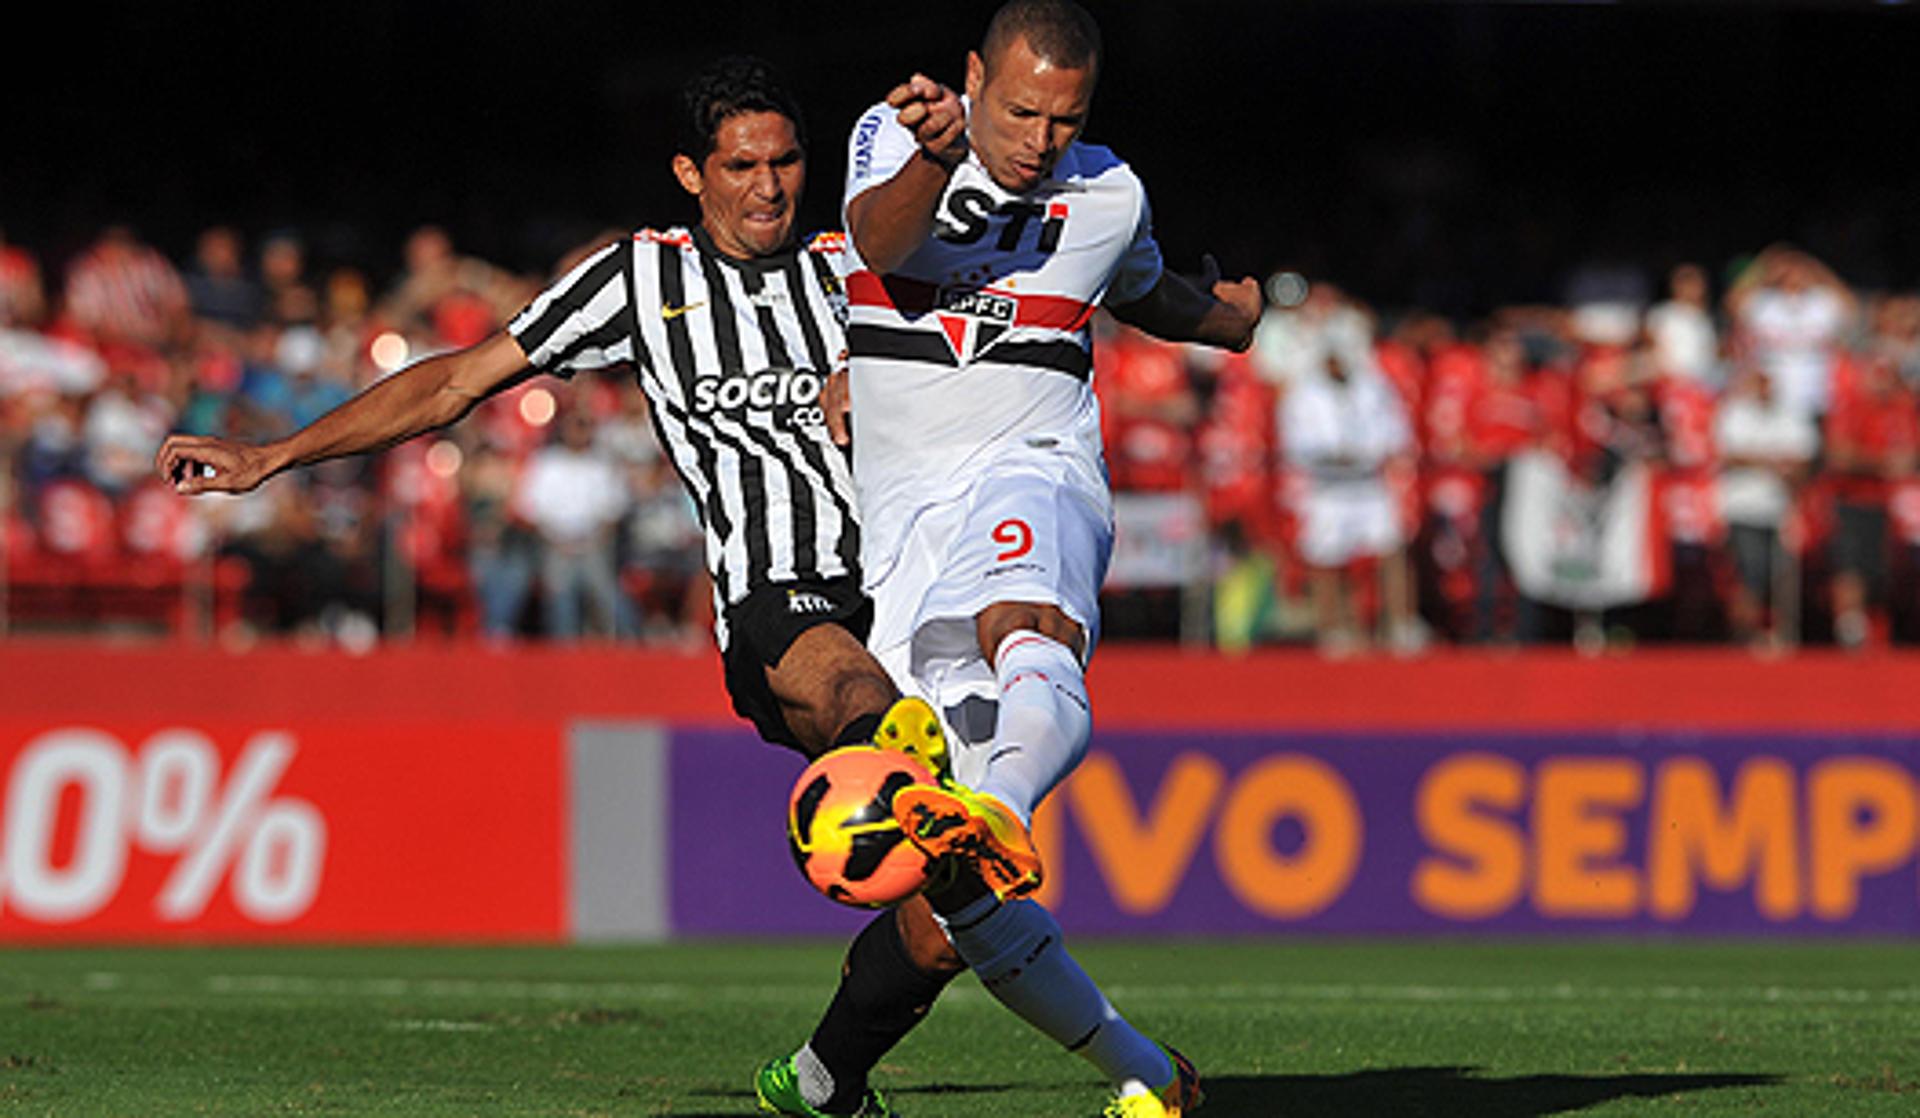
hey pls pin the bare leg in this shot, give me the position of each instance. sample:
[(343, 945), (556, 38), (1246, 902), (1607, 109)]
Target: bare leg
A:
[(826, 680)]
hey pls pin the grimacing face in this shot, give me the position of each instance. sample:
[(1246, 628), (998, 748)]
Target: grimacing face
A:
[(749, 185), (1023, 113)]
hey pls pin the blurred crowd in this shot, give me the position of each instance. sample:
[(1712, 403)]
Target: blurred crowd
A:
[(548, 513), (1714, 455), (1694, 457)]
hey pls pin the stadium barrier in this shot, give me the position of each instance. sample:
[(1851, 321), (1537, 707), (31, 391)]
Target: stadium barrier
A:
[(455, 793)]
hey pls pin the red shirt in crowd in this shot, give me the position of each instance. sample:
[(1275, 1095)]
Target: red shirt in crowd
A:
[(1871, 430)]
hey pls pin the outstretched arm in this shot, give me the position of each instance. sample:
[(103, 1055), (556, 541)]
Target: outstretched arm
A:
[(419, 398), (889, 221), (1210, 311)]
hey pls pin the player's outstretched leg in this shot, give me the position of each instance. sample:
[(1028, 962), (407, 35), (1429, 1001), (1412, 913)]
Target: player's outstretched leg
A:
[(1017, 949), (1042, 731), (1045, 720)]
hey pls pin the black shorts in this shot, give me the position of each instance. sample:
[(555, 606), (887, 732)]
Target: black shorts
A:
[(764, 624)]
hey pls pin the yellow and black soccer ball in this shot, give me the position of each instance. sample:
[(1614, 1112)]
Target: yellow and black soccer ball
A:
[(841, 830)]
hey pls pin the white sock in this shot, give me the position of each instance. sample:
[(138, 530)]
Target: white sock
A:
[(815, 1081), (1017, 950), (1044, 723)]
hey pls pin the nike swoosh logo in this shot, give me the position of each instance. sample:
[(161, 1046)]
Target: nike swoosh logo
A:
[(670, 313)]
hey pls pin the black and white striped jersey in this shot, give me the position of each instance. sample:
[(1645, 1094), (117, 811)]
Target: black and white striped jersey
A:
[(732, 355)]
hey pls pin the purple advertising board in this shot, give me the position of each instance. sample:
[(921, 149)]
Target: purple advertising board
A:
[(1667, 831)]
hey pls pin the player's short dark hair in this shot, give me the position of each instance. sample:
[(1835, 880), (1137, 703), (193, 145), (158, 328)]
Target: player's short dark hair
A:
[(1060, 31), (727, 87)]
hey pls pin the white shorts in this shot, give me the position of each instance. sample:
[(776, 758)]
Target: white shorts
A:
[(1027, 531), (1344, 521)]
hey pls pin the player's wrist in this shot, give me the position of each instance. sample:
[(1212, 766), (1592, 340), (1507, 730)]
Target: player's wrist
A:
[(277, 457), (947, 159)]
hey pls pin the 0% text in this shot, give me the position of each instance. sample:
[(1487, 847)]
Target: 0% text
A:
[(79, 803)]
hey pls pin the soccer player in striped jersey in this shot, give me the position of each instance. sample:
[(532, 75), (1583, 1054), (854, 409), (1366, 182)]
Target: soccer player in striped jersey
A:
[(733, 328), (984, 236)]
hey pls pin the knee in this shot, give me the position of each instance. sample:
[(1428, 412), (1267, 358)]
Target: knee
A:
[(997, 622), (860, 690)]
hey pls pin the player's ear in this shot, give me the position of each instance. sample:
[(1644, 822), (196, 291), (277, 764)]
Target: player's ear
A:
[(688, 172), (976, 75)]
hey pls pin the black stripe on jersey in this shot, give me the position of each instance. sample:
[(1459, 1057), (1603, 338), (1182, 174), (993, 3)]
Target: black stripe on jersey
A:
[(673, 292), (607, 271), (900, 345), (753, 471), (602, 339), (755, 285), (1059, 356), (919, 345), (699, 432), (823, 363), (642, 360)]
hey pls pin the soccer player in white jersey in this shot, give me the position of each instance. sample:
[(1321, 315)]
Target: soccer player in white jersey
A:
[(984, 236)]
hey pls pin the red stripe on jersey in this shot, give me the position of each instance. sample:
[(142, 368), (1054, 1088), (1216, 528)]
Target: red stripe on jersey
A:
[(909, 296)]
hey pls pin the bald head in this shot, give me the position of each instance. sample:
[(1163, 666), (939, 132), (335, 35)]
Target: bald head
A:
[(1060, 32)]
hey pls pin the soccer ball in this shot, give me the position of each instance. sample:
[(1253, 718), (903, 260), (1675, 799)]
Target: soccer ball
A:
[(841, 831)]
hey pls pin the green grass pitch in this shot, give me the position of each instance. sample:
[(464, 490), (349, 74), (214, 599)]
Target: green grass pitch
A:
[(1284, 1028)]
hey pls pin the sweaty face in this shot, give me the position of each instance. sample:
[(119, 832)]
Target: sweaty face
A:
[(1024, 113), (749, 186)]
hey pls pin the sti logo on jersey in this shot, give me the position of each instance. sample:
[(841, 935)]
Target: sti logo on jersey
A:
[(806, 601), (970, 214), (972, 319)]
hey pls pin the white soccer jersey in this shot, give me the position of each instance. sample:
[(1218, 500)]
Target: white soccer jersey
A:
[(977, 347)]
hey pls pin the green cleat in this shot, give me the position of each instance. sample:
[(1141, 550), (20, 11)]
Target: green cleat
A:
[(778, 1090)]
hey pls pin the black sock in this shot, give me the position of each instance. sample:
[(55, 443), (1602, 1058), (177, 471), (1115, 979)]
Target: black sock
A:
[(882, 996)]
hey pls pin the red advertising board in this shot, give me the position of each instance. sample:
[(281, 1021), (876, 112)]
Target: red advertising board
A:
[(168, 794), (309, 827)]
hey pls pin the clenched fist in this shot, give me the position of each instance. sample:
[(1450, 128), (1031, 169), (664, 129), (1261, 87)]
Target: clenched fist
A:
[(935, 116)]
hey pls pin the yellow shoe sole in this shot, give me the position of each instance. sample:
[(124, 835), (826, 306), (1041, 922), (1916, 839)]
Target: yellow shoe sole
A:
[(911, 727)]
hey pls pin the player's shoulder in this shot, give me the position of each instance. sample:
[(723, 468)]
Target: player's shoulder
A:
[(1097, 165)]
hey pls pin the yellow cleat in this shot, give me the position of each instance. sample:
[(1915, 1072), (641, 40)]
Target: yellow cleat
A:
[(974, 828), (1179, 1097), (911, 727)]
